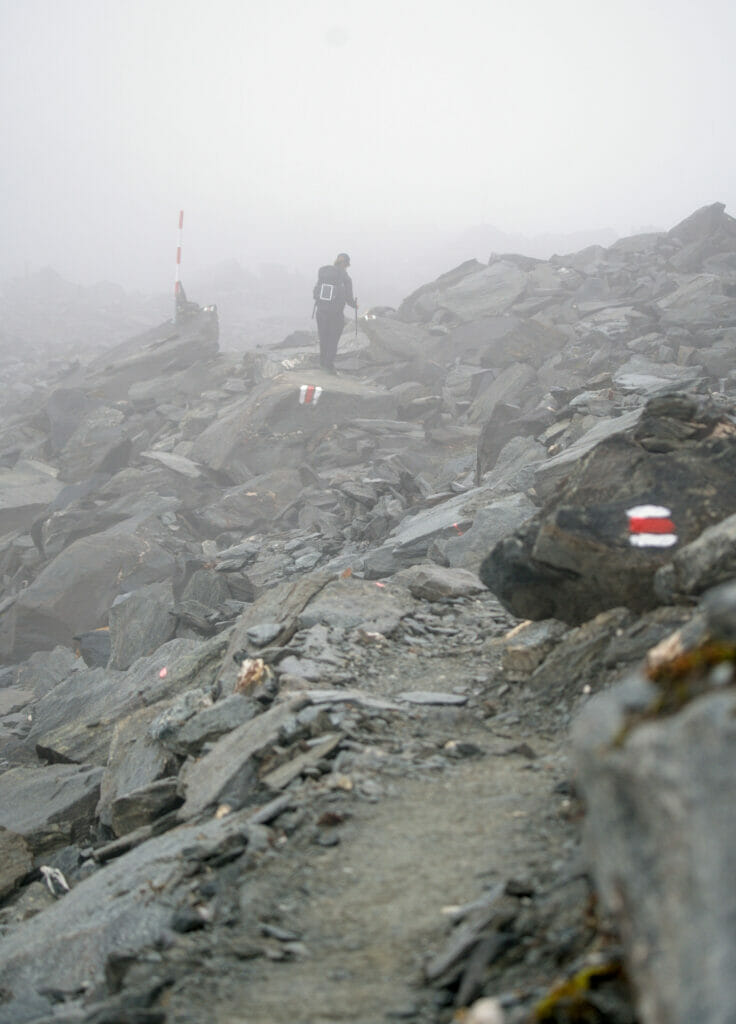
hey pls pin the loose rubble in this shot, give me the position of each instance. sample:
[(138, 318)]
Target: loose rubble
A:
[(306, 708)]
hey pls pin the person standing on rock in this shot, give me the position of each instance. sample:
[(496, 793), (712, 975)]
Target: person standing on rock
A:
[(332, 292)]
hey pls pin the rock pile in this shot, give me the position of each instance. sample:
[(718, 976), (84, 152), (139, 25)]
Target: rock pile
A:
[(241, 606)]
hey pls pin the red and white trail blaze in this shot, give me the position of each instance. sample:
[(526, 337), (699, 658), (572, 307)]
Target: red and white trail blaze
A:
[(309, 394), (650, 526)]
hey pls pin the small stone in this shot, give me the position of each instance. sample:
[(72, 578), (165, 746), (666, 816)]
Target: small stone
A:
[(486, 1011), (187, 919), (327, 839), (264, 633)]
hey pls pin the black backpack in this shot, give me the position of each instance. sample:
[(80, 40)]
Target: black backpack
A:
[(329, 290)]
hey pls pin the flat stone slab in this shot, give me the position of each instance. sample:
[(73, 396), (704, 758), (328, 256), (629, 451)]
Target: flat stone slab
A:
[(24, 491), (177, 463), (50, 806), (432, 697), (16, 860), (124, 906), (13, 699), (354, 603), (75, 720), (228, 773), (434, 582), (350, 696)]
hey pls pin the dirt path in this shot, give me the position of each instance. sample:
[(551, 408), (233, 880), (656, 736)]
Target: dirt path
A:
[(368, 911)]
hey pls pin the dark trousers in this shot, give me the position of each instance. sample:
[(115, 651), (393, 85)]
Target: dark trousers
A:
[(330, 324)]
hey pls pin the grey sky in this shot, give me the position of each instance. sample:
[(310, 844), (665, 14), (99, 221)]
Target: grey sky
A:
[(289, 130)]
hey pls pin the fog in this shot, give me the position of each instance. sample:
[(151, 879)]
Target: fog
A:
[(408, 134)]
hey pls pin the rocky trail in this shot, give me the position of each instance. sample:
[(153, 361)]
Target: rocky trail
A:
[(402, 694), (339, 923)]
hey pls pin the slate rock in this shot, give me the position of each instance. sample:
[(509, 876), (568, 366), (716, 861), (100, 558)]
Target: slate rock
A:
[(491, 523), (177, 463), (228, 773), (50, 807), (25, 490), (158, 353), (556, 469), (282, 603), (528, 645), (707, 561), (513, 385), (76, 720), (501, 341), (188, 736), (140, 622), (142, 806), (207, 587), (135, 760), (16, 860), (660, 837), (433, 698), (68, 946), (577, 555), (99, 444), (64, 409), (75, 591), (468, 293), (251, 507), (240, 443), (506, 423), (392, 340), (353, 603), (46, 669), (410, 541), (434, 582), (13, 699)]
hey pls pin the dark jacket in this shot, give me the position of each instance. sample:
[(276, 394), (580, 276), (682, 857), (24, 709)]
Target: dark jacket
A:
[(344, 289)]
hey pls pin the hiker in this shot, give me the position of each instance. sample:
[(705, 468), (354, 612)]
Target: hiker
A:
[(332, 292)]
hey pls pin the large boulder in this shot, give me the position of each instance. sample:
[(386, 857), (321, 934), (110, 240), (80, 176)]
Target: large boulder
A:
[(25, 490), (75, 721), (468, 293), (620, 515), (513, 386), (75, 591), (140, 622), (161, 352), (503, 340), (67, 947), (661, 838), (49, 807), (270, 426), (99, 444), (250, 507)]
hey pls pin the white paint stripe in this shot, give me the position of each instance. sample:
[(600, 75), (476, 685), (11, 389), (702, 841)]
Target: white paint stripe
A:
[(648, 512), (653, 540)]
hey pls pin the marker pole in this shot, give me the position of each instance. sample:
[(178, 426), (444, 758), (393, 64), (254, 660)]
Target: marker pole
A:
[(177, 278)]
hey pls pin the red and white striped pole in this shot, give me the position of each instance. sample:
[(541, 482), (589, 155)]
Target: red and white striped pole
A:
[(177, 279)]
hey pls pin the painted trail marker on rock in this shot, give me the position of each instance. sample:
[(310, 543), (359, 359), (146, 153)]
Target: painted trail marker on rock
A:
[(309, 394), (650, 526)]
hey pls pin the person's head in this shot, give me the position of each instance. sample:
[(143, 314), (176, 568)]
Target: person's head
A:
[(342, 260)]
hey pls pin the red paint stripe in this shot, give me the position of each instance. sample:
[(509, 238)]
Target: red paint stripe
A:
[(640, 525), (181, 219), (178, 255), (309, 394)]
